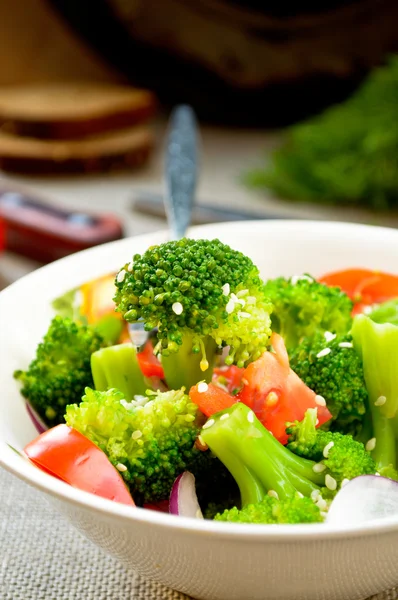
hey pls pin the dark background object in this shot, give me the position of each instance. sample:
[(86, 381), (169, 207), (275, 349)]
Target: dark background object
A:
[(236, 62)]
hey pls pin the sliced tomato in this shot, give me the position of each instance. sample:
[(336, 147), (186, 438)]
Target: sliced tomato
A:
[(73, 458), (275, 393), (365, 287), (211, 400), (230, 377), (149, 363)]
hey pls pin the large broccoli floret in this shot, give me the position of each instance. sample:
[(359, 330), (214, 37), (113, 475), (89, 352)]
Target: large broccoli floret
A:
[(272, 511), (201, 295), (339, 456), (304, 307), (378, 346), (331, 367), (61, 369), (151, 440)]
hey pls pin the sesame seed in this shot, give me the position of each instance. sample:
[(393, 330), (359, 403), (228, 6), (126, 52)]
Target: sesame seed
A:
[(273, 494), (225, 289), (130, 267), (299, 495), (346, 345), (330, 482), (367, 310), (371, 444), (244, 315), (344, 482), (136, 434), (242, 293), (177, 308), (380, 401), (323, 514), (321, 503), (244, 381), (323, 352), (296, 278), (224, 417), (317, 422), (202, 387), (230, 306), (315, 495), (200, 444), (327, 448), (121, 467), (250, 416), (329, 336), (208, 423), (320, 400), (318, 468), (120, 276)]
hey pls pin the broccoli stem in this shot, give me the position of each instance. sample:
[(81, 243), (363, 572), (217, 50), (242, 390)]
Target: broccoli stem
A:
[(250, 451), (378, 346), (384, 453), (183, 368), (117, 367)]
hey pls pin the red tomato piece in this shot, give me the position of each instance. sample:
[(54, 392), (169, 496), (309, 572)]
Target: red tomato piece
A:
[(149, 363), (231, 377), (276, 394), (68, 455), (365, 287), (212, 400)]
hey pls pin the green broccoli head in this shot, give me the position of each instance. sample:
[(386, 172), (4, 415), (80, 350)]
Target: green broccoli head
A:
[(197, 288), (329, 365), (151, 439), (304, 307), (273, 511), (339, 457), (61, 369)]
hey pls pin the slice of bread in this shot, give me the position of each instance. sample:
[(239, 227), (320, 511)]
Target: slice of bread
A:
[(72, 110), (116, 150)]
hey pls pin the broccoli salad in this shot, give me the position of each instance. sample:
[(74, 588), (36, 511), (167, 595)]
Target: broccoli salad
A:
[(248, 401)]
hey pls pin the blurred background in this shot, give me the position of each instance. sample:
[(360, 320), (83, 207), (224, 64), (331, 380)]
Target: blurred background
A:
[(298, 113)]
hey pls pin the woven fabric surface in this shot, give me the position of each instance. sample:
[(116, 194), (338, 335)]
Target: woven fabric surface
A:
[(42, 557)]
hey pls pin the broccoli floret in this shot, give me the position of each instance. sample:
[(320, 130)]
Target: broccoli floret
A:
[(378, 346), (201, 295), (272, 511), (117, 367), (340, 456), (61, 370), (259, 464), (304, 307), (151, 440), (331, 367)]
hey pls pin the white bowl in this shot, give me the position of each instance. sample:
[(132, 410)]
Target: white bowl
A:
[(205, 559)]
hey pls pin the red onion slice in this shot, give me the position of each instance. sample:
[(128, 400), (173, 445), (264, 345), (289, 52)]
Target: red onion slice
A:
[(362, 499), (36, 420), (183, 498)]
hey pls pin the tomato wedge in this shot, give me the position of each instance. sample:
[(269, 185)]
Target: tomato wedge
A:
[(73, 458), (365, 287), (212, 399), (230, 377), (149, 363), (276, 394)]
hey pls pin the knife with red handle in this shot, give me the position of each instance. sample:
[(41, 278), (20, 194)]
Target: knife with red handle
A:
[(44, 232)]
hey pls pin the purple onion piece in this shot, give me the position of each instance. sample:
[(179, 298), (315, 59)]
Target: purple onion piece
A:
[(183, 498), (363, 499), (36, 420)]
